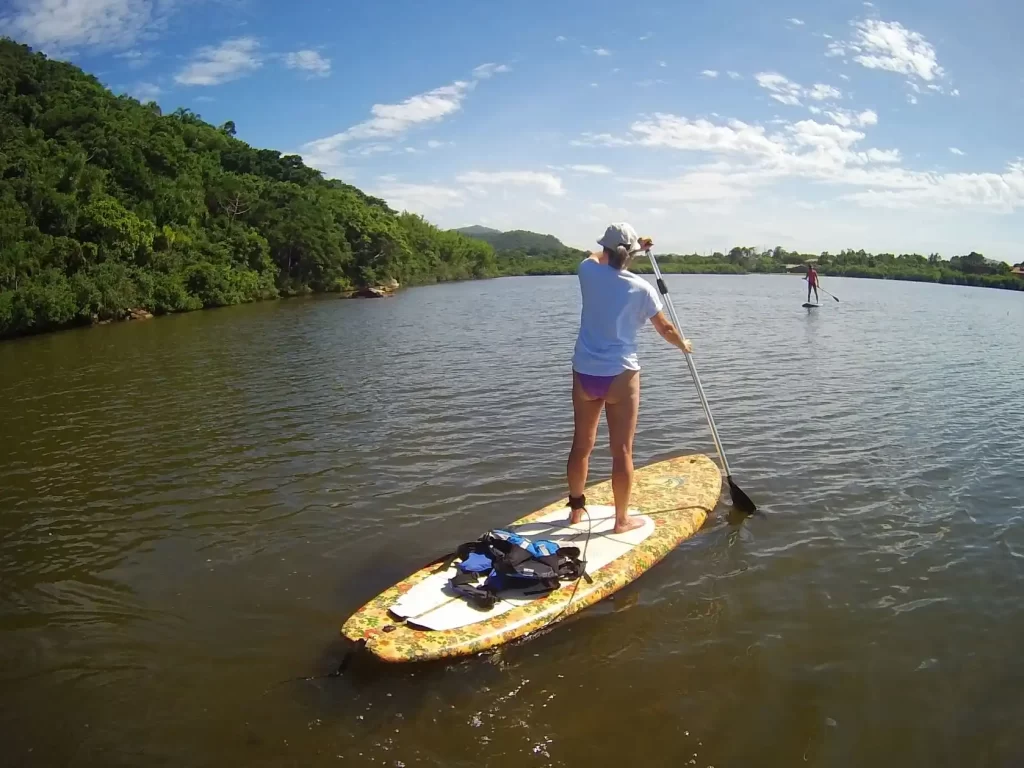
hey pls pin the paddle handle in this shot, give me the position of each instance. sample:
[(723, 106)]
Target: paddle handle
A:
[(663, 289)]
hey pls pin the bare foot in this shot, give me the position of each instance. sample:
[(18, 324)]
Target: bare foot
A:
[(629, 524), (576, 515)]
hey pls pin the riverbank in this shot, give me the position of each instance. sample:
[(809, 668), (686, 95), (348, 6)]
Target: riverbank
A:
[(393, 288)]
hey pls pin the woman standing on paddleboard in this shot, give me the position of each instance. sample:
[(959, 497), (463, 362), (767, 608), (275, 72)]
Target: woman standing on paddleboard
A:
[(812, 282), (606, 372)]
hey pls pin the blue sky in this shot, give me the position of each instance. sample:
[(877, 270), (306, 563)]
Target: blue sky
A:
[(817, 126)]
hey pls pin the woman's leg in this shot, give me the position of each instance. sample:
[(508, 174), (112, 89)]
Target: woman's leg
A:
[(621, 409), (586, 415)]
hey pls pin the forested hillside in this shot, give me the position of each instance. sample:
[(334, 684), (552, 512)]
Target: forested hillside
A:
[(516, 240), (108, 205)]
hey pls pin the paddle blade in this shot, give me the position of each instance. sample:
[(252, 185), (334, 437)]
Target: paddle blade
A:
[(740, 499), (833, 297)]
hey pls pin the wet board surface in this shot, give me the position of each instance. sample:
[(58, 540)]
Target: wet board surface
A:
[(812, 305), (419, 619)]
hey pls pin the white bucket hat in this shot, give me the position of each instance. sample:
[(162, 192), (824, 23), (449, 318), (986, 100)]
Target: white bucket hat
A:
[(620, 234)]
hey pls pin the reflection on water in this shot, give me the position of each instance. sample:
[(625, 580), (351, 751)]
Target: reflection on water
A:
[(190, 507)]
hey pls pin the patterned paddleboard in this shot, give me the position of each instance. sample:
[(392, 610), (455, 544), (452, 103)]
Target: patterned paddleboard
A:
[(420, 618)]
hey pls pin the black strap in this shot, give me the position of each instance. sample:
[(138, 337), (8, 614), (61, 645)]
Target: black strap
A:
[(464, 577), (577, 502)]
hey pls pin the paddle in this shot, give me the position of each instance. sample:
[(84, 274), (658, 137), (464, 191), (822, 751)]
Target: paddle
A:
[(739, 498)]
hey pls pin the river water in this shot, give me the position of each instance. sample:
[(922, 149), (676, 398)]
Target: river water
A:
[(191, 506)]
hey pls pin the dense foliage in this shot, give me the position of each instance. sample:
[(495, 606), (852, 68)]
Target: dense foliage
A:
[(972, 269), (107, 205)]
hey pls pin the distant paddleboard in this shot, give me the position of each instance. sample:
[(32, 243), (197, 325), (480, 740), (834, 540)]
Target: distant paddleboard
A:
[(812, 305), (421, 618)]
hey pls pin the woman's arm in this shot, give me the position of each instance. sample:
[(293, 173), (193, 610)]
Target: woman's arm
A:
[(669, 332)]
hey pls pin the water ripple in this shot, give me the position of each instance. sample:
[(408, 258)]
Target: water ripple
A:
[(188, 508)]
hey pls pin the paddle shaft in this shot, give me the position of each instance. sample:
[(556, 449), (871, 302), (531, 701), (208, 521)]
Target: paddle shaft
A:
[(827, 293), (663, 288)]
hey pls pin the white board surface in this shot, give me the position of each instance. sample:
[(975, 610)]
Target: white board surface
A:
[(432, 604)]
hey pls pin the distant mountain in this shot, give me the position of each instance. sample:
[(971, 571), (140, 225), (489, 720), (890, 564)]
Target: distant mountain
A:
[(478, 232), (515, 240)]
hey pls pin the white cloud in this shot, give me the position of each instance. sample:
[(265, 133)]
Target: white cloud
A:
[(420, 198), (911, 98), (230, 60), (734, 75), (484, 71), (56, 26), (372, 149), (795, 22), (998, 192), (883, 155), (662, 63), (955, 92), (648, 36), (782, 89), (145, 92), (835, 49), (309, 61), (392, 120), (841, 117), (749, 157), (548, 182), (805, 149), (956, 151), (844, 76), (737, 137), (596, 169), (560, 39), (846, 117), (821, 92), (785, 91), (135, 58), (599, 140), (709, 73), (602, 52), (889, 46)]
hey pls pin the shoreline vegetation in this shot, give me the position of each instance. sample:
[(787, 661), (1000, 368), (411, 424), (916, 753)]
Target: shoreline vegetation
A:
[(972, 269), (111, 210)]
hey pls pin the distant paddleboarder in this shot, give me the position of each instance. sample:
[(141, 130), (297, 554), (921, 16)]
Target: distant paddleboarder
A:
[(606, 372), (812, 282)]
